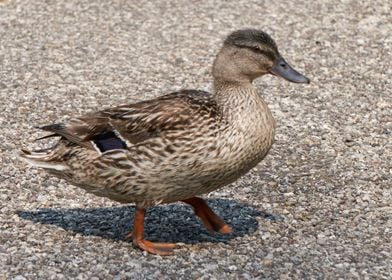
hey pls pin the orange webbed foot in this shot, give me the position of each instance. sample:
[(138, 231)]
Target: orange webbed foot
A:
[(137, 237), (163, 249), (225, 229), (210, 220)]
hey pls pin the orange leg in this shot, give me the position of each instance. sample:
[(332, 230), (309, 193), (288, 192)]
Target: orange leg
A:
[(138, 237), (210, 220)]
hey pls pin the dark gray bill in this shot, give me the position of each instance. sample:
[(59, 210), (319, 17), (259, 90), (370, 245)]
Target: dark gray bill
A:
[(284, 70)]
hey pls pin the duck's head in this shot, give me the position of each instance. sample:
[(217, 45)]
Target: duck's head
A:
[(248, 54)]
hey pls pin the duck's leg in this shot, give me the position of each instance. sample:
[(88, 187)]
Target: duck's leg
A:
[(138, 237), (210, 220)]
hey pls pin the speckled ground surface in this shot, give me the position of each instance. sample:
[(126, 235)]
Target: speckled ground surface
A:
[(318, 207)]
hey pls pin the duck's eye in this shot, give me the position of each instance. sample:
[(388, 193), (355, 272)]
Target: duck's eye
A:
[(256, 49)]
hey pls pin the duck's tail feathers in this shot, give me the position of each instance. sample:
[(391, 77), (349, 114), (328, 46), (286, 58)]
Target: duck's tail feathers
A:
[(42, 159)]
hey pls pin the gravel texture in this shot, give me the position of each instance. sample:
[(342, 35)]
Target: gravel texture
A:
[(319, 205)]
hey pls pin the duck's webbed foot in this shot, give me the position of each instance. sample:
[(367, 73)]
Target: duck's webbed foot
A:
[(210, 220), (162, 249), (137, 236)]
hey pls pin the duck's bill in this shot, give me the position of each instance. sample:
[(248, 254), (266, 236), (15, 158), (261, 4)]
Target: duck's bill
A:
[(284, 70)]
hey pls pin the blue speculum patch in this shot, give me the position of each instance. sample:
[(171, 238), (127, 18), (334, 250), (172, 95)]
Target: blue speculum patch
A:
[(109, 141)]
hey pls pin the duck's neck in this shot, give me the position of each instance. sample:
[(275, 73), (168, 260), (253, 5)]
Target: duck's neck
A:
[(248, 123), (243, 106), (237, 96)]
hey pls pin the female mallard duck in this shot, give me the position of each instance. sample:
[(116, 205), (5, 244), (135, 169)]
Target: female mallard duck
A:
[(177, 146)]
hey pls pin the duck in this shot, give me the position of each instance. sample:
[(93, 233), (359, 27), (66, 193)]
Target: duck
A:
[(178, 146)]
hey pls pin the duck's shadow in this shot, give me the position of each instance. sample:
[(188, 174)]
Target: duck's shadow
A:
[(167, 223)]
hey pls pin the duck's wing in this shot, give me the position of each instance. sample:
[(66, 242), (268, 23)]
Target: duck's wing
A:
[(128, 125)]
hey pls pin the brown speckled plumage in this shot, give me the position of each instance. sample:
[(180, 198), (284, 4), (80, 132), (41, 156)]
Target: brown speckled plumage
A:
[(176, 146)]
